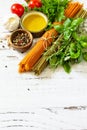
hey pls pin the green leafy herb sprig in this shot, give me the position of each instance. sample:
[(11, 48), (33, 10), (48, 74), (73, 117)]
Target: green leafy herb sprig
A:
[(73, 47), (54, 9)]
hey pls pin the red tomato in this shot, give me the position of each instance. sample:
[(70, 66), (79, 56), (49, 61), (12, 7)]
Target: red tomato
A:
[(35, 3), (18, 9)]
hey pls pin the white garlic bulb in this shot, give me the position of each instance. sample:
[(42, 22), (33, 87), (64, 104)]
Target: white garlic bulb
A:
[(12, 22)]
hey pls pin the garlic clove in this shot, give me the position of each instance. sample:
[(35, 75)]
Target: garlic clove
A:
[(12, 22)]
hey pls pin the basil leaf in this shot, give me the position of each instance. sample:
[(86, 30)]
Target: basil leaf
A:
[(67, 34), (67, 23), (59, 28), (53, 61), (67, 67), (75, 51), (75, 23), (85, 56)]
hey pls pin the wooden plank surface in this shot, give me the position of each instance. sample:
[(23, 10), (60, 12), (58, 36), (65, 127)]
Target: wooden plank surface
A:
[(52, 101)]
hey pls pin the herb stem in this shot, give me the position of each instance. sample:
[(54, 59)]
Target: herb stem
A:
[(42, 62)]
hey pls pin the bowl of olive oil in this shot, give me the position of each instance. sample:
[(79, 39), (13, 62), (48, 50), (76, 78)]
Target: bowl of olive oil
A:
[(34, 22)]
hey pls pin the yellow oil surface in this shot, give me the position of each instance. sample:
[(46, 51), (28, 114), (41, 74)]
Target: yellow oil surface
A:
[(34, 22)]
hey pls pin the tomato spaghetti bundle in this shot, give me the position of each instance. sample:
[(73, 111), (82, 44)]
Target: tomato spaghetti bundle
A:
[(35, 53), (72, 9)]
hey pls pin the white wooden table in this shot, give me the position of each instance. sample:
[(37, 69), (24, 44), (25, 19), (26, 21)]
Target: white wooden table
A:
[(51, 101)]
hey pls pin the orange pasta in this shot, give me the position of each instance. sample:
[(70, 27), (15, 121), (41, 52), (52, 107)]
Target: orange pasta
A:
[(68, 7), (35, 53), (73, 9)]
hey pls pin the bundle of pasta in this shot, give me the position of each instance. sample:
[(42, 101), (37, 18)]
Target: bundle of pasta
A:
[(35, 53), (72, 9)]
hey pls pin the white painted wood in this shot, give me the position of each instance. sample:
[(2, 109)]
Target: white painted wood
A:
[(51, 101)]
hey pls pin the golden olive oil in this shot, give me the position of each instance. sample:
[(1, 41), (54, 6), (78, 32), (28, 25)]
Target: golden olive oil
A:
[(34, 22)]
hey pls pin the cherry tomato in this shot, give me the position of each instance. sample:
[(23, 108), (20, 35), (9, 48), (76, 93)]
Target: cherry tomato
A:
[(35, 3), (18, 9)]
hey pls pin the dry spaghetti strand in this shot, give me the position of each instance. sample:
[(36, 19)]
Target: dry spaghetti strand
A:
[(73, 9), (35, 53)]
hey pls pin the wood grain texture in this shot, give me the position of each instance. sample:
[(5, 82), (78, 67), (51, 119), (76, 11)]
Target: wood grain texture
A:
[(48, 118), (52, 101)]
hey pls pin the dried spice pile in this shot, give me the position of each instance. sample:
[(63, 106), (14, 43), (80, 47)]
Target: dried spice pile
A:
[(21, 39)]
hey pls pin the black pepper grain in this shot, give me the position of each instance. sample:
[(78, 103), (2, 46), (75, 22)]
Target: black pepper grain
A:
[(3, 46), (6, 66), (21, 39)]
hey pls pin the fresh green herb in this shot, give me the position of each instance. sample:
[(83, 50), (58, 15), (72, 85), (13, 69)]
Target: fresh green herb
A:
[(82, 41), (69, 26), (74, 50), (70, 50), (26, 9), (54, 9), (67, 67), (42, 62), (85, 56)]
